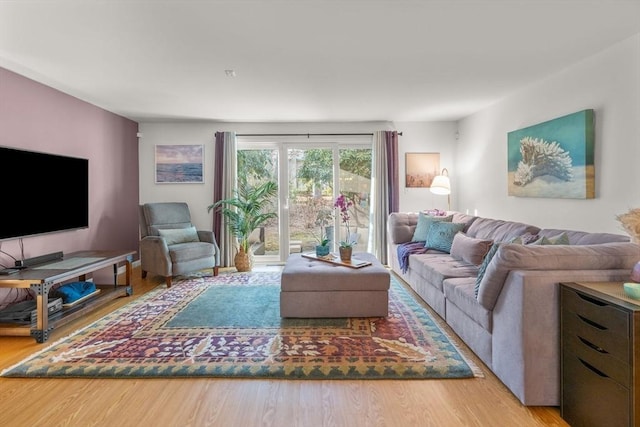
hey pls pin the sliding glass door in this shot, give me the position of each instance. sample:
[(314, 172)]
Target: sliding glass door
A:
[(309, 177)]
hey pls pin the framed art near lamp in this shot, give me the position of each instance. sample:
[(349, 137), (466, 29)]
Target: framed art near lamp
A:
[(420, 169), (553, 159), (179, 164)]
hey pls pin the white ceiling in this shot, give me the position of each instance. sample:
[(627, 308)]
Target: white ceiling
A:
[(303, 60)]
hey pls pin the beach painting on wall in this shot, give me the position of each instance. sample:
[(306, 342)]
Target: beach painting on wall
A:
[(421, 168), (179, 164), (553, 159)]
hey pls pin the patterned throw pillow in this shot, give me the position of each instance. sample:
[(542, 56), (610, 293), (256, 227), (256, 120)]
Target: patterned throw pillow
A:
[(483, 267), (560, 239), (441, 234), (424, 223), (525, 239)]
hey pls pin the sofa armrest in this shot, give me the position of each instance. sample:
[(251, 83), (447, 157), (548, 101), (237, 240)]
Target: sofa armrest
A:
[(400, 226), (605, 256), (526, 334)]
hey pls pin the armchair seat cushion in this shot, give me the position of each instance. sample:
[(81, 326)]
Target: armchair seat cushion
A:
[(181, 252)]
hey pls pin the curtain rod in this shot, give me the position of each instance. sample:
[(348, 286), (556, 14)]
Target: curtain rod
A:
[(308, 135)]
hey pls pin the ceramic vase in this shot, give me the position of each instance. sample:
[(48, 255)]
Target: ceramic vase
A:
[(322, 250), (345, 253), (635, 273)]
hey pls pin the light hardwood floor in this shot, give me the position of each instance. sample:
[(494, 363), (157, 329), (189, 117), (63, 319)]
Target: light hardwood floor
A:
[(242, 402)]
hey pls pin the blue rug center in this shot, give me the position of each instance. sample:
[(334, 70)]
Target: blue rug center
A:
[(242, 307)]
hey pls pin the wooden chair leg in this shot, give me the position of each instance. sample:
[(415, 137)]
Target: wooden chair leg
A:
[(215, 271), (168, 280), (144, 274)]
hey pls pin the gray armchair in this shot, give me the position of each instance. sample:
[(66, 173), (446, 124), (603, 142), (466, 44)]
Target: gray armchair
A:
[(169, 243)]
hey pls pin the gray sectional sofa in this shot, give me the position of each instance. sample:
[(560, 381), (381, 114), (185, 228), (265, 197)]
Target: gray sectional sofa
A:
[(510, 317)]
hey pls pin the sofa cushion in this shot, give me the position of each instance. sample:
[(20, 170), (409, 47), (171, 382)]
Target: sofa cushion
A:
[(179, 235), (436, 268), (461, 293), (424, 225), (499, 230), (441, 234), (509, 256), (469, 249)]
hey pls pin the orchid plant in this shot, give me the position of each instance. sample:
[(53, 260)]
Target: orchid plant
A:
[(343, 205)]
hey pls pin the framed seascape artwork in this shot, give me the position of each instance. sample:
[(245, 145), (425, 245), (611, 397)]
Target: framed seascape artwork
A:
[(179, 164), (420, 169), (553, 159)]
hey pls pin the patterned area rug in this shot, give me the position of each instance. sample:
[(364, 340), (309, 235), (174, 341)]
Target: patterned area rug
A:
[(229, 326)]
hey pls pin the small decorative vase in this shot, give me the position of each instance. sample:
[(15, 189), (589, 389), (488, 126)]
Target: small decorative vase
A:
[(345, 253), (635, 273), (322, 250)]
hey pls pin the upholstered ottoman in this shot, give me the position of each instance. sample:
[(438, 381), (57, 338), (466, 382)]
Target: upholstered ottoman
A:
[(313, 288)]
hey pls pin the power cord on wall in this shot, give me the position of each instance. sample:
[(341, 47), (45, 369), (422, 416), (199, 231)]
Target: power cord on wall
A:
[(5, 269)]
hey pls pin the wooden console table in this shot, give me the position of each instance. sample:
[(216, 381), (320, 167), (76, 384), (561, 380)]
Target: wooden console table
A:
[(77, 265)]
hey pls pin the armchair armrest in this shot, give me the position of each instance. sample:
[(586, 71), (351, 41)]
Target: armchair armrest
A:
[(207, 236), (154, 255)]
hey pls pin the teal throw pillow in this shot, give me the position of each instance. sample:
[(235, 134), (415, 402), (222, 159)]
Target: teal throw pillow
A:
[(179, 235), (485, 262), (441, 234), (424, 223)]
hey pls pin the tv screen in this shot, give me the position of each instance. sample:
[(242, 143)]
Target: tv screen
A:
[(43, 193)]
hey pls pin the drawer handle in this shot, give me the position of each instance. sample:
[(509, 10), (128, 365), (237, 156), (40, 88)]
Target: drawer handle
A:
[(594, 370), (592, 323), (592, 300), (593, 346)]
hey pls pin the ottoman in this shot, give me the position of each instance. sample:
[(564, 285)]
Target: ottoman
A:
[(312, 288)]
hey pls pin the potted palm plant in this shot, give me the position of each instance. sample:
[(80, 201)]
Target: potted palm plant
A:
[(244, 213)]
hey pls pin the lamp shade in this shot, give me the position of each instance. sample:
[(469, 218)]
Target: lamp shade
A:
[(441, 185)]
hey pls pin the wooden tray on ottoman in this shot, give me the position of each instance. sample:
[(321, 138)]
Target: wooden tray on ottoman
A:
[(334, 258)]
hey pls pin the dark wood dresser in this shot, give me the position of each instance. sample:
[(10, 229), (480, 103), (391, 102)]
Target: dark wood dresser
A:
[(599, 332)]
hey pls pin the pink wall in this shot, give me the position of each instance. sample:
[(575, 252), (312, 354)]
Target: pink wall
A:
[(36, 117)]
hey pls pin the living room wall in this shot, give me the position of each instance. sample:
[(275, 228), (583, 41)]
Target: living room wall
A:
[(416, 137), (38, 118), (609, 83)]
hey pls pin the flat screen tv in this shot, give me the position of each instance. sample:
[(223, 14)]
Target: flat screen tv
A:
[(42, 193)]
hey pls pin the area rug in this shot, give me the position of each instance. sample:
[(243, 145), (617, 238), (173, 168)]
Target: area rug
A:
[(229, 326)]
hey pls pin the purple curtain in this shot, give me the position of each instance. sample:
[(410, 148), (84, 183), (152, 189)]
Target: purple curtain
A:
[(391, 147), (218, 173)]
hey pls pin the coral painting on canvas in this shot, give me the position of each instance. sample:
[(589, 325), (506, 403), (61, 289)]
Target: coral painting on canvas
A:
[(553, 159)]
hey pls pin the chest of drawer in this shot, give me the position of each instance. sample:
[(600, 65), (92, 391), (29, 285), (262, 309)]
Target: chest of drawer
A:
[(599, 329)]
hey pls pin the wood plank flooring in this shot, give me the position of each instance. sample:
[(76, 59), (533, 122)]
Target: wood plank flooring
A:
[(247, 403)]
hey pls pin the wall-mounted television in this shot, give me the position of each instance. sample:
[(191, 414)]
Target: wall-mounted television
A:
[(42, 193)]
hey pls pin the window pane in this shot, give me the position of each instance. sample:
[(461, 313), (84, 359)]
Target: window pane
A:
[(355, 185)]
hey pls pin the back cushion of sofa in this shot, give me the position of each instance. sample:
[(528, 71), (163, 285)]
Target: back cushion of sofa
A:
[(510, 256), (499, 230), (584, 238), (401, 226), (467, 220)]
